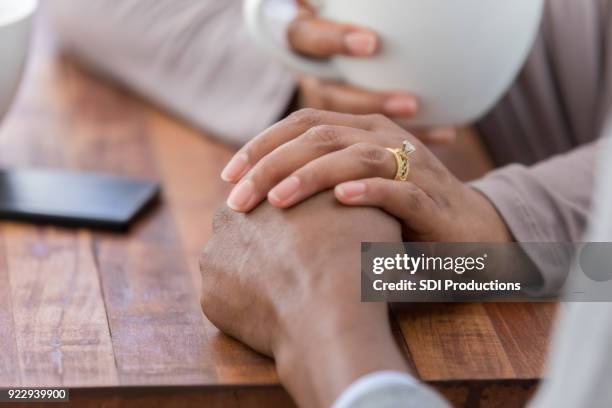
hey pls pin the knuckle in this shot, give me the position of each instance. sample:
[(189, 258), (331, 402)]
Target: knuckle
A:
[(208, 273), (442, 201), (309, 83), (295, 30), (306, 118), (210, 304), (222, 218), (203, 262), (414, 200), (377, 190), (388, 191), (320, 46), (268, 171), (371, 155), (377, 119), (323, 135)]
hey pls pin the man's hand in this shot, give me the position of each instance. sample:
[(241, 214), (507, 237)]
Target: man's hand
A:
[(287, 283), (316, 37)]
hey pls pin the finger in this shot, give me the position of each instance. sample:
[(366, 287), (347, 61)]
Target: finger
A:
[(320, 38), (305, 4), (285, 130), (401, 199), (356, 162), (440, 136), (280, 163), (340, 97)]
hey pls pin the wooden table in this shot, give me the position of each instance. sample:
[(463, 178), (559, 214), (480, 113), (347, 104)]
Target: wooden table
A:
[(116, 317)]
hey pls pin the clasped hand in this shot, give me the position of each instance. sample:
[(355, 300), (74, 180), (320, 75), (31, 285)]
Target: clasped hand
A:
[(313, 151)]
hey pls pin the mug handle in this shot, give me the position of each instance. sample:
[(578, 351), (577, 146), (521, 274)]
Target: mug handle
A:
[(254, 16)]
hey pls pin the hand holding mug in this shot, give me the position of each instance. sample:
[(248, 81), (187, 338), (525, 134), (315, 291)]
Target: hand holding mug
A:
[(316, 37), (457, 57)]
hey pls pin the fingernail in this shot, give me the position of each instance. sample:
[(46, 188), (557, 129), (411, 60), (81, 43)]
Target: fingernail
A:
[(241, 195), (401, 105), (285, 190), (360, 43), (351, 190), (235, 168)]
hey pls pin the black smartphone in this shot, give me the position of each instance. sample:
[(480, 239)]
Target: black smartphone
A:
[(74, 199)]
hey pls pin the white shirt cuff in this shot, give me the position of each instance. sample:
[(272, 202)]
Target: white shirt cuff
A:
[(370, 383)]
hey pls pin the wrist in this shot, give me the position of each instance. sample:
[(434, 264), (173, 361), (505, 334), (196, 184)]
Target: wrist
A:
[(320, 361), (486, 223)]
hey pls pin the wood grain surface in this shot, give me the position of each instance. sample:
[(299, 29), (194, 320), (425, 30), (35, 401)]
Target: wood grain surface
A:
[(116, 317)]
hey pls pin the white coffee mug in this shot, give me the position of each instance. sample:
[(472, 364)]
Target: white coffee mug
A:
[(15, 28), (457, 56)]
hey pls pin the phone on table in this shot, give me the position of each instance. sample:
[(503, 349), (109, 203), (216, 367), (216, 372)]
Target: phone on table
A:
[(74, 199)]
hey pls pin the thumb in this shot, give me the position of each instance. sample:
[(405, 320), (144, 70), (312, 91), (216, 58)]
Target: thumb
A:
[(317, 37), (402, 199)]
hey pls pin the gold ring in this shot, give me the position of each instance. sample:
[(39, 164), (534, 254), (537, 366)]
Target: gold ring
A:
[(401, 160)]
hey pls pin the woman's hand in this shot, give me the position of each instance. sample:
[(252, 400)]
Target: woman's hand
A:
[(316, 37), (313, 151)]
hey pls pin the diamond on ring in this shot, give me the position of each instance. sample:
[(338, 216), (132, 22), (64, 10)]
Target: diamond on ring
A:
[(408, 147)]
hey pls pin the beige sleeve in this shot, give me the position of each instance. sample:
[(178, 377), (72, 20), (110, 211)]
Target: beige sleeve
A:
[(193, 57), (547, 202)]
